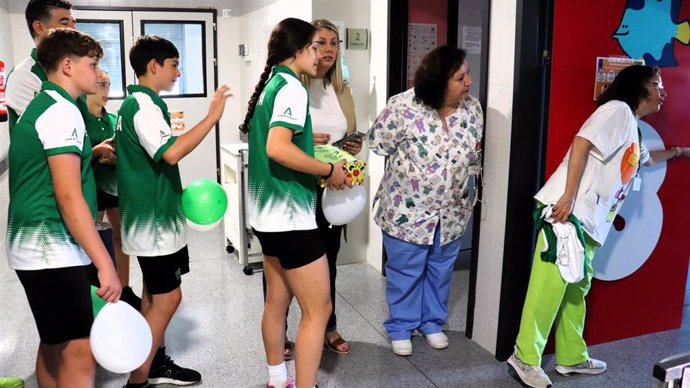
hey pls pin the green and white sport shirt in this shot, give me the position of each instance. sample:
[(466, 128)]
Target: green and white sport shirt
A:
[(101, 129), (281, 199), (37, 237), (149, 189), (22, 85)]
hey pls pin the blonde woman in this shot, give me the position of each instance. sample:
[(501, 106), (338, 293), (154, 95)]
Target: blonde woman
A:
[(333, 117)]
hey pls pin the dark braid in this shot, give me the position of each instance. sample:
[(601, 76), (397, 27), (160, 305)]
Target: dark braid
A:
[(244, 127), (288, 37)]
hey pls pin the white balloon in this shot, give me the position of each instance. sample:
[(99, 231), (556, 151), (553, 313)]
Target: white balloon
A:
[(203, 228), (120, 338), (342, 206)]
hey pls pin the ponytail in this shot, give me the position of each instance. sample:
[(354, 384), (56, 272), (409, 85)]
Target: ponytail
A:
[(244, 127)]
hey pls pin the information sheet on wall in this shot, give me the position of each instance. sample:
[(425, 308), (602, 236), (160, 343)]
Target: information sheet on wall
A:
[(421, 38), (608, 68), (472, 39)]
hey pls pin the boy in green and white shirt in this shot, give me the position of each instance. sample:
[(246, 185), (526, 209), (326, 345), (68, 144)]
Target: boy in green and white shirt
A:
[(24, 80), (51, 234), (149, 188)]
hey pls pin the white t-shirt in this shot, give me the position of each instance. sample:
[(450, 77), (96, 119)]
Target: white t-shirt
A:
[(326, 114), (612, 164)]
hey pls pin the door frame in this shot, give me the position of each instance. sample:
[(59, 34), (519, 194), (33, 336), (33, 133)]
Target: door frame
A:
[(398, 16), (214, 30), (529, 127)]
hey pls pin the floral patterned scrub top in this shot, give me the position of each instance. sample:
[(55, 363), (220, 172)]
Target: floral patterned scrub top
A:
[(427, 177)]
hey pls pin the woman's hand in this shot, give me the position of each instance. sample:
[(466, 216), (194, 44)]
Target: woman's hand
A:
[(338, 179), (562, 209), (685, 152), (321, 138), (353, 146)]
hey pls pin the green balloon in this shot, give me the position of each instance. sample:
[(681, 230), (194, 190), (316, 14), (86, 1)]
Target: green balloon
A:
[(204, 202), (96, 302)]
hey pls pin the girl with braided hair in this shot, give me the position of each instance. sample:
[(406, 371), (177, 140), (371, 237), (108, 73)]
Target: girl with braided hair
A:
[(282, 201)]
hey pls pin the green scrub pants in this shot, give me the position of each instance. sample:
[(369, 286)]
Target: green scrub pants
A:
[(550, 300)]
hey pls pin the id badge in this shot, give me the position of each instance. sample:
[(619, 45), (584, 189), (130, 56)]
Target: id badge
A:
[(637, 182)]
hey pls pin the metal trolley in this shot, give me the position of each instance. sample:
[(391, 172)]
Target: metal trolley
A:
[(238, 233)]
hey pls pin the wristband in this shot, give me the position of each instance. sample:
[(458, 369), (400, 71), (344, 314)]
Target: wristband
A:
[(329, 173), (678, 151)]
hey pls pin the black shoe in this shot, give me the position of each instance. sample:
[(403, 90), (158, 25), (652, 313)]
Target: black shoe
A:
[(171, 373), (128, 296), (128, 385)]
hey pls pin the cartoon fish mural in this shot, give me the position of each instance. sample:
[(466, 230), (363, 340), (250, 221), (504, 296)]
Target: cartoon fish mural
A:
[(648, 28)]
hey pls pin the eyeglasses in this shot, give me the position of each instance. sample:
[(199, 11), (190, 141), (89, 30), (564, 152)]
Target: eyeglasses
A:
[(658, 84)]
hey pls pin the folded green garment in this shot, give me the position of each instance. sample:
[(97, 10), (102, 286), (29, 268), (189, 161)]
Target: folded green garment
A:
[(11, 382)]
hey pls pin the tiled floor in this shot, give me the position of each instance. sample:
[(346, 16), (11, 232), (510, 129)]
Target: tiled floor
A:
[(216, 331)]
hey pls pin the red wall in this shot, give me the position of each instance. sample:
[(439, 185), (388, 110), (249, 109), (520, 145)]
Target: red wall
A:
[(651, 299), (431, 11)]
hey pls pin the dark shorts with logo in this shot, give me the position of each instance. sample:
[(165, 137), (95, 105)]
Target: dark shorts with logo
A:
[(163, 274)]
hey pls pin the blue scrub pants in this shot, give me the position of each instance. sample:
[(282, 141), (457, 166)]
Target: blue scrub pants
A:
[(418, 285)]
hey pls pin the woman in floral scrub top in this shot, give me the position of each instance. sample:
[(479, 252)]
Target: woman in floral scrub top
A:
[(431, 134)]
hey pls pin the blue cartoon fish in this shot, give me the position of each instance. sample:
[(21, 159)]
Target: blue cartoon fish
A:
[(648, 28)]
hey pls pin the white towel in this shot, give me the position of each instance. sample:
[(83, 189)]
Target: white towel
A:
[(570, 254)]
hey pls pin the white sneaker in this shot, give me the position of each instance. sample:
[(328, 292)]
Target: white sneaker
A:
[(437, 340), (530, 375), (402, 347), (590, 367)]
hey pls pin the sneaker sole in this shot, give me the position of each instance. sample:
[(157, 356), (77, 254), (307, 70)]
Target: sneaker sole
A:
[(565, 371), (165, 380), (521, 375), (437, 347)]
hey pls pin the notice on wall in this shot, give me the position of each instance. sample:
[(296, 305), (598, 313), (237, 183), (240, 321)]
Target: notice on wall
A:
[(421, 38), (472, 39), (177, 122), (608, 68)]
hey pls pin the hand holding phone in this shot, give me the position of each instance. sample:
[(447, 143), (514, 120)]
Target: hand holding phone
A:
[(351, 137)]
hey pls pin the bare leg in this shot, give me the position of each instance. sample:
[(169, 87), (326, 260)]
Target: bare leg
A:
[(158, 310), (47, 363), (311, 286), (66, 365), (278, 298), (77, 366), (121, 258)]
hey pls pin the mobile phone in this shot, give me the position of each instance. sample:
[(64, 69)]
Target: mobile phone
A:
[(350, 137)]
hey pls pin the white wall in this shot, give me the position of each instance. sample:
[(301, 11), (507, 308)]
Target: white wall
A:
[(496, 167), (257, 19), (378, 86), (355, 14), (6, 56)]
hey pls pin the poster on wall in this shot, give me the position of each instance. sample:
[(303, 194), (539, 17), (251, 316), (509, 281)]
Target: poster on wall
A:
[(608, 68), (472, 39), (421, 38)]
